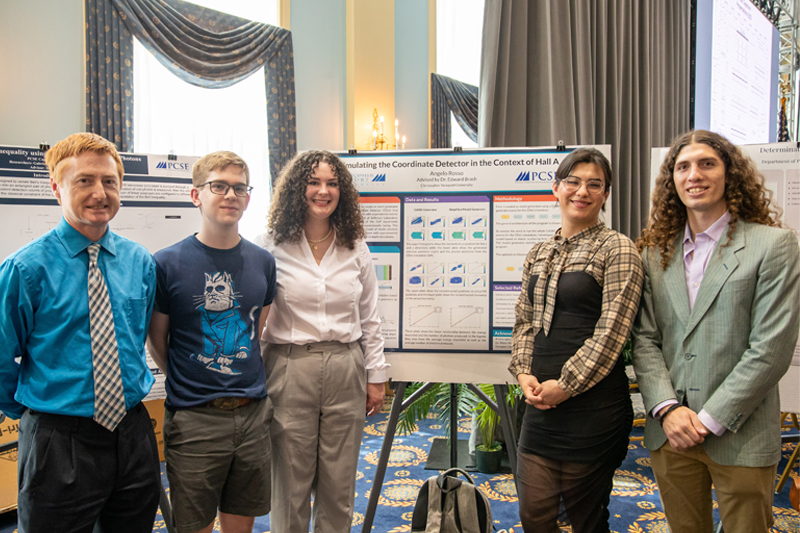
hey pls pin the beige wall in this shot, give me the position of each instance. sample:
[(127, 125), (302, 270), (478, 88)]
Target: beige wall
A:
[(42, 94), (318, 37), (371, 57)]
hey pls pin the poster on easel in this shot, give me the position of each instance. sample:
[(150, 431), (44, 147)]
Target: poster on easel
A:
[(156, 210), (449, 232), (780, 165)]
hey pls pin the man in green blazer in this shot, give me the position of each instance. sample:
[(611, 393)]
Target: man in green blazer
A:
[(715, 333)]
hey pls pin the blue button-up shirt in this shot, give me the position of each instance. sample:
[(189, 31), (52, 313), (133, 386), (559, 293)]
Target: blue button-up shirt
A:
[(45, 345)]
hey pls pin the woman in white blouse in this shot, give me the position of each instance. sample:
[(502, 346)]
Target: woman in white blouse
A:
[(324, 353)]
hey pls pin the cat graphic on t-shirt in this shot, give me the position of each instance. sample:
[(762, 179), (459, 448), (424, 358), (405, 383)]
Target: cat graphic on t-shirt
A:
[(224, 329)]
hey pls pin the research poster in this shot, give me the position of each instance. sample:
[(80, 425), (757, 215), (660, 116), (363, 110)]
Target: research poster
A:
[(449, 232), (780, 165), (156, 208)]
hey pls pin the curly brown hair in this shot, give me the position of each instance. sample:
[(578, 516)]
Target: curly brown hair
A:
[(746, 196), (289, 211)]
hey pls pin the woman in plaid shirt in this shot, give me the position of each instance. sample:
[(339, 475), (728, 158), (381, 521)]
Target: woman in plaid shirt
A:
[(580, 294)]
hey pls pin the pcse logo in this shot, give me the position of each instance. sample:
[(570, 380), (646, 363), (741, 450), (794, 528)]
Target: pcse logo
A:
[(170, 165), (546, 175), (524, 176)]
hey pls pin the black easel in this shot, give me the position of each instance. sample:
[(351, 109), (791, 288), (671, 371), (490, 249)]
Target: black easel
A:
[(399, 404)]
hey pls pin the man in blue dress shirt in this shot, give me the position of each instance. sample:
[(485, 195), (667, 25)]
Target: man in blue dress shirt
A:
[(75, 474)]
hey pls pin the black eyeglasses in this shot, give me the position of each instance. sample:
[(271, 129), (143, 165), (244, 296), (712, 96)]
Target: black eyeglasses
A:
[(222, 188)]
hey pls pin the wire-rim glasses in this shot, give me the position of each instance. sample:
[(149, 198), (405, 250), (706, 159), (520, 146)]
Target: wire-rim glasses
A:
[(593, 187)]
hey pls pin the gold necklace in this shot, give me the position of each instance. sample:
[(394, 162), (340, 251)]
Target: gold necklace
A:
[(315, 243)]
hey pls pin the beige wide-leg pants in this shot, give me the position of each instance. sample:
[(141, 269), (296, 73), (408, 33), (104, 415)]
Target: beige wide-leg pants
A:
[(318, 395)]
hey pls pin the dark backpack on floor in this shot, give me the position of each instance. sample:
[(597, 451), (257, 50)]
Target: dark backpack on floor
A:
[(446, 504)]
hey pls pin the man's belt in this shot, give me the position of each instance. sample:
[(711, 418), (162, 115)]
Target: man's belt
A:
[(228, 403)]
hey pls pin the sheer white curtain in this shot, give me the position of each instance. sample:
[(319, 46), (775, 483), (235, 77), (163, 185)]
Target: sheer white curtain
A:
[(459, 30), (171, 115)]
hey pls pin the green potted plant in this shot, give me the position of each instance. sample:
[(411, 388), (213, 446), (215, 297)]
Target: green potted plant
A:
[(488, 454), (436, 399)]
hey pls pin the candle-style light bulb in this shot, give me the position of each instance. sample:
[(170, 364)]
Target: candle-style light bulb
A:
[(404, 143)]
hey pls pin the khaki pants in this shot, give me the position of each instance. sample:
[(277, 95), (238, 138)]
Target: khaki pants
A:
[(318, 393), (217, 458), (744, 494)]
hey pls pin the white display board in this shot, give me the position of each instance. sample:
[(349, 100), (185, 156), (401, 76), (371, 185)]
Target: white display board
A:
[(449, 232), (736, 71), (156, 208), (780, 165)]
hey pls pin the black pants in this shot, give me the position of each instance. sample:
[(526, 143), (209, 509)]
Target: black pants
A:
[(76, 476)]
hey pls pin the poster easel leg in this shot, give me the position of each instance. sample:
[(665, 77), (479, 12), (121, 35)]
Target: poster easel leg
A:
[(453, 425), (398, 405), (501, 391)]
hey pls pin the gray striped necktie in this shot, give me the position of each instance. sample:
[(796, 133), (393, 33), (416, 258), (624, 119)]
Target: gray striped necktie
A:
[(109, 397)]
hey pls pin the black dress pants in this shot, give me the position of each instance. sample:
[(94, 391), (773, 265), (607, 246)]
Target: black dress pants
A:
[(76, 476)]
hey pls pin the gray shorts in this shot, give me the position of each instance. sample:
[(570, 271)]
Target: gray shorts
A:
[(217, 459)]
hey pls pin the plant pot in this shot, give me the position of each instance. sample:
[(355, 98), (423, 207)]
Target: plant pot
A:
[(488, 462)]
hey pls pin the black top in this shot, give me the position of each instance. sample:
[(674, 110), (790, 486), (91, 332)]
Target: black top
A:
[(591, 426)]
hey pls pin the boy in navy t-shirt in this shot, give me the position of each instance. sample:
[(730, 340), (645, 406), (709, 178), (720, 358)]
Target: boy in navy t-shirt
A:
[(212, 299)]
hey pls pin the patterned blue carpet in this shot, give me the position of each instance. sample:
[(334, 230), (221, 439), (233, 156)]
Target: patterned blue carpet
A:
[(635, 505)]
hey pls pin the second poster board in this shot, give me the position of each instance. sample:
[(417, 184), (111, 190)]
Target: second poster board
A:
[(779, 163)]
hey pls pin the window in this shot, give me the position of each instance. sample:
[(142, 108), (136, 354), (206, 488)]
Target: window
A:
[(171, 115), (459, 32)]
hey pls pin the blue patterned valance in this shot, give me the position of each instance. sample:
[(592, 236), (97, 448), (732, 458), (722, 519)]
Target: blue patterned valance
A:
[(449, 95), (199, 45)]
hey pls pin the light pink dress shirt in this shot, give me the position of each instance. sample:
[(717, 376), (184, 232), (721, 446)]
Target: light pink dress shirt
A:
[(695, 265)]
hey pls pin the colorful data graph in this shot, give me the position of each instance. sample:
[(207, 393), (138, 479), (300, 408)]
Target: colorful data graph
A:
[(383, 272)]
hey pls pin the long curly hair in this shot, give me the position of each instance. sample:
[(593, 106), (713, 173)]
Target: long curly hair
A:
[(746, 196), (289, 211)]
